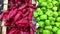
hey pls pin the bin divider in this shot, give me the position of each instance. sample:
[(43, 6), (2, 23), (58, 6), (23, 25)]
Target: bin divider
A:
[(5, 6)]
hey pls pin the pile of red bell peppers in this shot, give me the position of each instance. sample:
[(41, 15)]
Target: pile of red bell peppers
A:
[(19, 15)]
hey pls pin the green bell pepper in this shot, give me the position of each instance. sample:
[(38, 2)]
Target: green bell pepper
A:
[(43, 3), (55, 14), (58, 19), (58, 32), (49, 5), (51, 18), (54, 2), (48, 27), (46, 32), (55, 29), (54, 8), (47, 22), (49, 12), (41, 24), (35, 14), (57, 24), (43, 17)]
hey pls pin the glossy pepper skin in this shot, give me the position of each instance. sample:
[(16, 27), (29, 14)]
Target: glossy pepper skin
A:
[(9, 15), (19, 15), (7, 23), (22, 22), (47, 16), (27, 13), (22, 7), (12, 31)]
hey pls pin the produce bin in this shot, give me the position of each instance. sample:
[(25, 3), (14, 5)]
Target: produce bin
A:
[(8, 28), (47, 17)]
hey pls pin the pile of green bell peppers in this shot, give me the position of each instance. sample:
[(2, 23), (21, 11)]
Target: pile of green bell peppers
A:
[(47, 15)]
